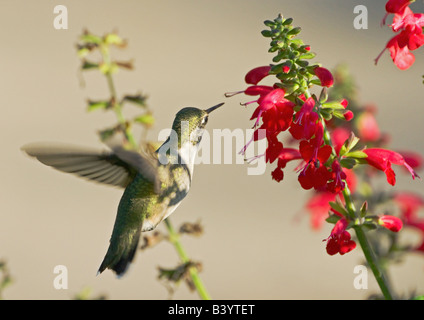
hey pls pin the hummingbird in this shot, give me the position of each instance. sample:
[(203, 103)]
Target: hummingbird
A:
[(155, 182)]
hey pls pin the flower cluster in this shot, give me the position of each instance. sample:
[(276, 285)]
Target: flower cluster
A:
[(323, 147), (410, 37)]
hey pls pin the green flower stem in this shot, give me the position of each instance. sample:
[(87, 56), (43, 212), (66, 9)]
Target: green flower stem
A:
[(174, 238), (360, 234), (366, 247), (115, 105)]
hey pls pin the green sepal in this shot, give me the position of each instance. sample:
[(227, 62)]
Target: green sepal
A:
[(364, 209), (349, 144), (307, 55), (339, 208), (348, 163), (333, 218), (356, 155)]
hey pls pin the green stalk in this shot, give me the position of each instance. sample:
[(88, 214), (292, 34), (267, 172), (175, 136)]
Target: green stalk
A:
[(174, 238)]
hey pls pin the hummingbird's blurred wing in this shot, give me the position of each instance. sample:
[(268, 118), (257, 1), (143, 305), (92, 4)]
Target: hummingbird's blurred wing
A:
[(117, 168)]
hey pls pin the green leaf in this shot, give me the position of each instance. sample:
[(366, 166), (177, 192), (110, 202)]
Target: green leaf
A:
[(106, 134), (269, 23), (114, 39), (87, 65), (94, 105), (145, 119), (288, 21), (138, 99), (91, 38), (294, 31)]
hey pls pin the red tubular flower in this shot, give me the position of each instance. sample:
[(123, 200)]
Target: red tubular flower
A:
[(306, 121), (348, 115), (411, 36), (257, 74), (339, 240), (275, 111), (400, 54), (325, 76), (397, 6), (390, 222), (337, 176), (285, 155), (383, 159), (338, 137), (314, 174)]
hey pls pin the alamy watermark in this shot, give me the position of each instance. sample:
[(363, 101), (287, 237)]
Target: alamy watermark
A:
[(224, 146)]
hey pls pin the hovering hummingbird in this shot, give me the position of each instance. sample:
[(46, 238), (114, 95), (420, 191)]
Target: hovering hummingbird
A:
[(155, 182)]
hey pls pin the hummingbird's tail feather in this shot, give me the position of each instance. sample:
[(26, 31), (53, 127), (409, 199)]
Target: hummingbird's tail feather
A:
[(120, 254)]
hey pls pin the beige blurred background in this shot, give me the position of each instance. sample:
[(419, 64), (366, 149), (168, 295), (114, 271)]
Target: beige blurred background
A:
[(257, 242)]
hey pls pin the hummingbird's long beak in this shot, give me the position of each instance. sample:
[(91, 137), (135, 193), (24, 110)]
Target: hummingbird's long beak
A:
[(214, 107)]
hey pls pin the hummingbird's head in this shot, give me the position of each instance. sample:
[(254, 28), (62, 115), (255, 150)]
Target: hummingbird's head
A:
[(189, 123)]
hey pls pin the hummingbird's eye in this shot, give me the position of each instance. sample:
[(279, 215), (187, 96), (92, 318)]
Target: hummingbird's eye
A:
[(205, 120)]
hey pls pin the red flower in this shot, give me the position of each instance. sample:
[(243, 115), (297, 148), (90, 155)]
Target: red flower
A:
[(285, 155), (306, 121), (318, 207), (383, 159), (337, 176), (400, 54), (324, 76), (339, 240), (411, 36), (315, 174), (367, 126), (338, 137), (410, 204), (286, 69), (257, 74), (348, 115), (397, 6), (390, 222)]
